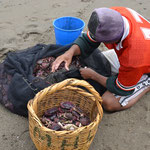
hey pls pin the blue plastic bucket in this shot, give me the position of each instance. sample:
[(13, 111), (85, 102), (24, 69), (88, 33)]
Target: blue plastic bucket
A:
[(67, 29)]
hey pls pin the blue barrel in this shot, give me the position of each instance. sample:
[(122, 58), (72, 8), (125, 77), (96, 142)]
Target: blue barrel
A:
[(67, 29)]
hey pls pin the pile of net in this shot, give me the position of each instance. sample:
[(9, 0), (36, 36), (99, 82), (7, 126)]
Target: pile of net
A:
[(22, 77)]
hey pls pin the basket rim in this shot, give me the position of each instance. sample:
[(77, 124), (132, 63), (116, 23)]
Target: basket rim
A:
[(68, 83), (97, 120), (81, 91)]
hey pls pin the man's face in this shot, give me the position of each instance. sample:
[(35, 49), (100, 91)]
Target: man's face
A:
[(113, 42)]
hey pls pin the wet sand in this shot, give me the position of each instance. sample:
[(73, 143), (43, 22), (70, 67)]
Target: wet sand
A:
[(25, 23)]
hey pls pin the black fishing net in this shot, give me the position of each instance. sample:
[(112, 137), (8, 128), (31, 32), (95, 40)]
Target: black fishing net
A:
[(21, 74)]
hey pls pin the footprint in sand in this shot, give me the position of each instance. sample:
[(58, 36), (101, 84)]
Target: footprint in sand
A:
[(32, 26), (28, 34), (56, 5), (4, 25), (86, 0), (33, 19), (30, 30)]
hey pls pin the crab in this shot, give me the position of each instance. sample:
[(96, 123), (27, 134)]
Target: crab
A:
[(66, 116), (66, 105), (55, 126), (51, 111), (84, 121), (68, 127)]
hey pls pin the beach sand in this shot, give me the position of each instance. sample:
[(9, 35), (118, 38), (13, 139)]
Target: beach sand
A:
[(25, 23)]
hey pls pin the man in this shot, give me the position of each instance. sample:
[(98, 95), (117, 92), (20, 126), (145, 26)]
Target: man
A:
[(128, 33)]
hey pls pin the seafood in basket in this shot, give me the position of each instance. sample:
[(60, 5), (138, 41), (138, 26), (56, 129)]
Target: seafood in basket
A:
[(66, 116)]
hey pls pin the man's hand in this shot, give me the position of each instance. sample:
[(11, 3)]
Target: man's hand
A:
[(87, 73), (66, 57)]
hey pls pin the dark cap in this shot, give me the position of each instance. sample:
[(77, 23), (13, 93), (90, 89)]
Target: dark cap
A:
[(106, 25)]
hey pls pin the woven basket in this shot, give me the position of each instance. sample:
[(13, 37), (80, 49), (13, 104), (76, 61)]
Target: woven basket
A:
[(68, 90)]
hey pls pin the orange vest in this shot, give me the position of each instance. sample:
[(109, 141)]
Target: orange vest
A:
[(134, 57)]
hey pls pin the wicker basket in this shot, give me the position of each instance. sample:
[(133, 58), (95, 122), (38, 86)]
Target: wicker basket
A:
[(68, 90)]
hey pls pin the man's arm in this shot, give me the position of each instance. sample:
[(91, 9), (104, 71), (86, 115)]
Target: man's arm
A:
[(86, 45), (82, 46), (88, 73), (124, 83), (109, 82)]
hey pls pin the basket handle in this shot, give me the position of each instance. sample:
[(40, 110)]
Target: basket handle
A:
[(75, 82)]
